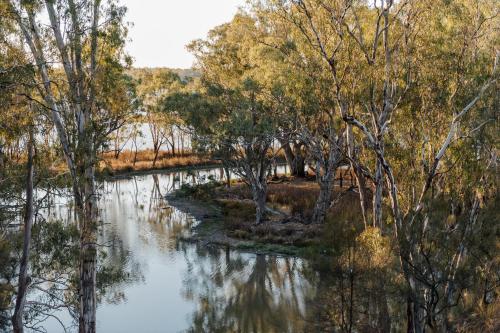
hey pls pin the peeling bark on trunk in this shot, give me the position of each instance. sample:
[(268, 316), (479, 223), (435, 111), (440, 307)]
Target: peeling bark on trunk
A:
[(88, 246), (17, 318), (88, 264)]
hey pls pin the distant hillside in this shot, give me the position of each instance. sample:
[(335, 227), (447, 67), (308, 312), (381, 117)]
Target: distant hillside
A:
[(184, 73)]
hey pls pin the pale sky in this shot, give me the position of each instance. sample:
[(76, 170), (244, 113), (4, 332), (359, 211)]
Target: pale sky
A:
[(162, 28)]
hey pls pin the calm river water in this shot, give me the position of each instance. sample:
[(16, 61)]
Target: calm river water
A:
[(175, 286)]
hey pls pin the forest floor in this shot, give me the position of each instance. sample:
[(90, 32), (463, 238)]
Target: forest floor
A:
[(226, 216)]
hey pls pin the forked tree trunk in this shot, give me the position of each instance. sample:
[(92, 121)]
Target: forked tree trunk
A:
[(253, 168), (17, 318), (326, 168)]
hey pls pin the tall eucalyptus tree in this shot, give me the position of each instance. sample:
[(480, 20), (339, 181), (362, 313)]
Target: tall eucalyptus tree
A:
[(239, 124), (390, 67), (78, 57)]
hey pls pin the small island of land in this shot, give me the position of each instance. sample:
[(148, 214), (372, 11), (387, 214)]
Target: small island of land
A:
[(227, 215)]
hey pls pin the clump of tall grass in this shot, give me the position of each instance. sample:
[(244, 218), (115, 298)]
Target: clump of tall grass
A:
[(298, 198)]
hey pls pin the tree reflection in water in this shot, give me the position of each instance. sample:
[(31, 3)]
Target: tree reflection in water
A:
[(240, 292), (147, 269), (237, 292)]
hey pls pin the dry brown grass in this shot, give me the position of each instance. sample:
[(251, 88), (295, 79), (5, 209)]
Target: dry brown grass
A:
[(297, 197), (144, 161), (142, 155)]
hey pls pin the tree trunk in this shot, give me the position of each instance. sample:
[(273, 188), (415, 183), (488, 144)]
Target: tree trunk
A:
[(183, 150), (289, 157), (156, 153), (384, 317), (361, 184), (294, 158), (88, 244), (117, 144), (358, 174), (17, 318), (415, 316), (324, 199), (377, 196), (259, 192), (326, 180), (87, 296), (227, 171), (173, 145), (179, 144), (2, 159), (275, 168), (135, 149), (299, 161)]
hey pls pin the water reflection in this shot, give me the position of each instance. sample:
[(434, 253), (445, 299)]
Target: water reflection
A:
[(150, 278), (238, 292), (152, 282)]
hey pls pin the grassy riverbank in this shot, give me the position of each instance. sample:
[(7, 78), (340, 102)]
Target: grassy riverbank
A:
[(143, 161), (128, 161), (227, 217)]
